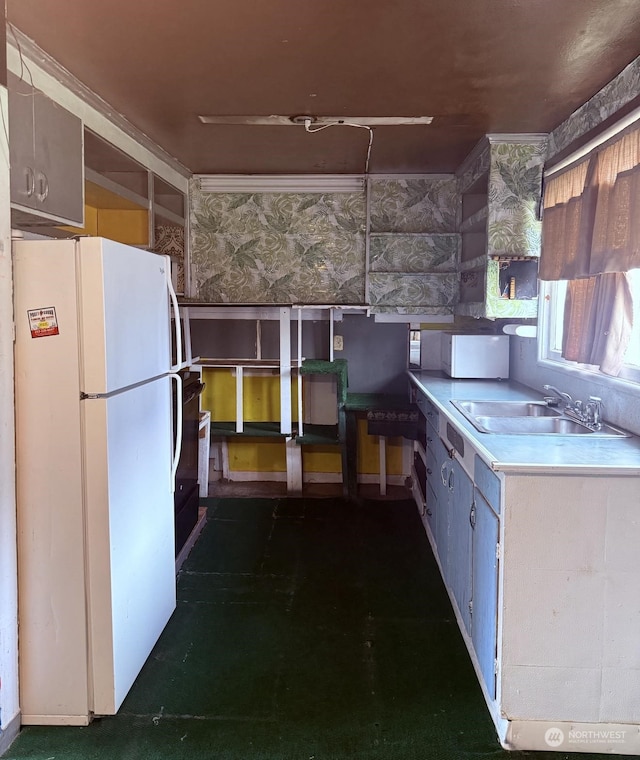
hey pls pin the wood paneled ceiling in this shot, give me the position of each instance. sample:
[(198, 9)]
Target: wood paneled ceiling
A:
[(477, 66)]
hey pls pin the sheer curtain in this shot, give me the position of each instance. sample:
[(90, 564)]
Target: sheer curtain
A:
[(591, 237)]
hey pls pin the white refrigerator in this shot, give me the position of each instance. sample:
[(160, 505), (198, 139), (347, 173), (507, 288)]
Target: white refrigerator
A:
[(96, 572)]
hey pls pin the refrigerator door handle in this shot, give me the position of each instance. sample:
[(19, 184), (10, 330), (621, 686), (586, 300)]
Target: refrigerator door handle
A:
[(177, 448), (176, 317)]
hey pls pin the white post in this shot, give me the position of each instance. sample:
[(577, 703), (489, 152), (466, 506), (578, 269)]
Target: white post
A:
[(258, 339), (330, 335), (294, 467), (239, 400), (225, 460), (300, 424), (204, 452), (8, 562), (285, 371)]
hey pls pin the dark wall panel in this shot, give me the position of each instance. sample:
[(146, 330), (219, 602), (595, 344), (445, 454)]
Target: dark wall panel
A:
[(236, 338), (223, 338), (377, 354)]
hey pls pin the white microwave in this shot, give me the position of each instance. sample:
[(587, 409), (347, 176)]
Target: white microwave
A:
[(475, 356)]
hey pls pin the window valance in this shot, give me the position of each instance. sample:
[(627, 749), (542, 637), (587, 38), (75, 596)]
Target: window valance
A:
[(591, 219)]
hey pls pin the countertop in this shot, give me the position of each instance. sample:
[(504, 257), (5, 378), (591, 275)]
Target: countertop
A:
[(527, 453)]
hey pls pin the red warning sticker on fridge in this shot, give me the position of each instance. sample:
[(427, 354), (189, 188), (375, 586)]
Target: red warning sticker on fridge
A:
[(43, 322)]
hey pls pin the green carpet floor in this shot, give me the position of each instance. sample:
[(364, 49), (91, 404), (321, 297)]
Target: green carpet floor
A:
[(305, 630)]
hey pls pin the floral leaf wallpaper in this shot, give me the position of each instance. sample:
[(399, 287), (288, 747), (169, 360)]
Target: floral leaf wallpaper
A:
[(439, 290), (169, 239), (605, 103), (413, 205), (310, 247), (413, 253), (278, 247), (414, 245), (515, 178)]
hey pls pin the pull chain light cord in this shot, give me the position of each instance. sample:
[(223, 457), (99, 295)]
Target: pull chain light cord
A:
[(307, 126)]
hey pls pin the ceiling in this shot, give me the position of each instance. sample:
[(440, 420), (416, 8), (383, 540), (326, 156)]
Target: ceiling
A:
[(476, 66)]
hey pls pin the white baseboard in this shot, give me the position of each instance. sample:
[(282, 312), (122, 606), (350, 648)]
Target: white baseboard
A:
[(9, 733)]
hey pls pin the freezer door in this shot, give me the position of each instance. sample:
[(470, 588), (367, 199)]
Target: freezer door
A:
[(124, 315), (130, 533)]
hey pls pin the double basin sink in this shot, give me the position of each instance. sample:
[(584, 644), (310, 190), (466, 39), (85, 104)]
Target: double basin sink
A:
[(528, 418)]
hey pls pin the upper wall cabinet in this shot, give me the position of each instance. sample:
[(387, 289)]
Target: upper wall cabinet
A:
[(116, 194), (413, 245), (46, 158), (126, 202), (500, 187), (277, 247)]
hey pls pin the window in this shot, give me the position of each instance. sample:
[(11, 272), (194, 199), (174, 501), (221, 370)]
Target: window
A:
[(553, 297)]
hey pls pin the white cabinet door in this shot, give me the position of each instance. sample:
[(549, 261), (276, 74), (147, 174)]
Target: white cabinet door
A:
[(485, 590)]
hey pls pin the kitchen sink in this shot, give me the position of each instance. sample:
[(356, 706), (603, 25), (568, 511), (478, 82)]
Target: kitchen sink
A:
[(506, 408), (528, 418)]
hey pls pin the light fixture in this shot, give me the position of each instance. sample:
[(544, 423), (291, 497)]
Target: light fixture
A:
[(280, 183), (302, 119)]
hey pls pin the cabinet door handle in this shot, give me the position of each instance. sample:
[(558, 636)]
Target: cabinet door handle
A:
[(443, 477), (429, 440), (429, 472), (451, 481), (43, 187), (472, 516), (429, 513), (31, 181)]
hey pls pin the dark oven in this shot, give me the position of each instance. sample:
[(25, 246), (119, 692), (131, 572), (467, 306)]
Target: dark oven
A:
[(186, 495)]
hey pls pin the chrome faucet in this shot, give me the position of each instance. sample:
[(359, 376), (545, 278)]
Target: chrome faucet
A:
[(560, 395), (593, 412), (589, 413)]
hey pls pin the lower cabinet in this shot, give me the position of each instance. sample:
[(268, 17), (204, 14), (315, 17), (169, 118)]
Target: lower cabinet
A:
[(440, 481), (485, 589), (543, 570), (459, 550), (431, 510), (465, 532)]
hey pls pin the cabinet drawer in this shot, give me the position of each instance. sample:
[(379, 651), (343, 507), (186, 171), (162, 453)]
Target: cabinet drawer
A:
[(422, 430), (487, 483), (428, 409)]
